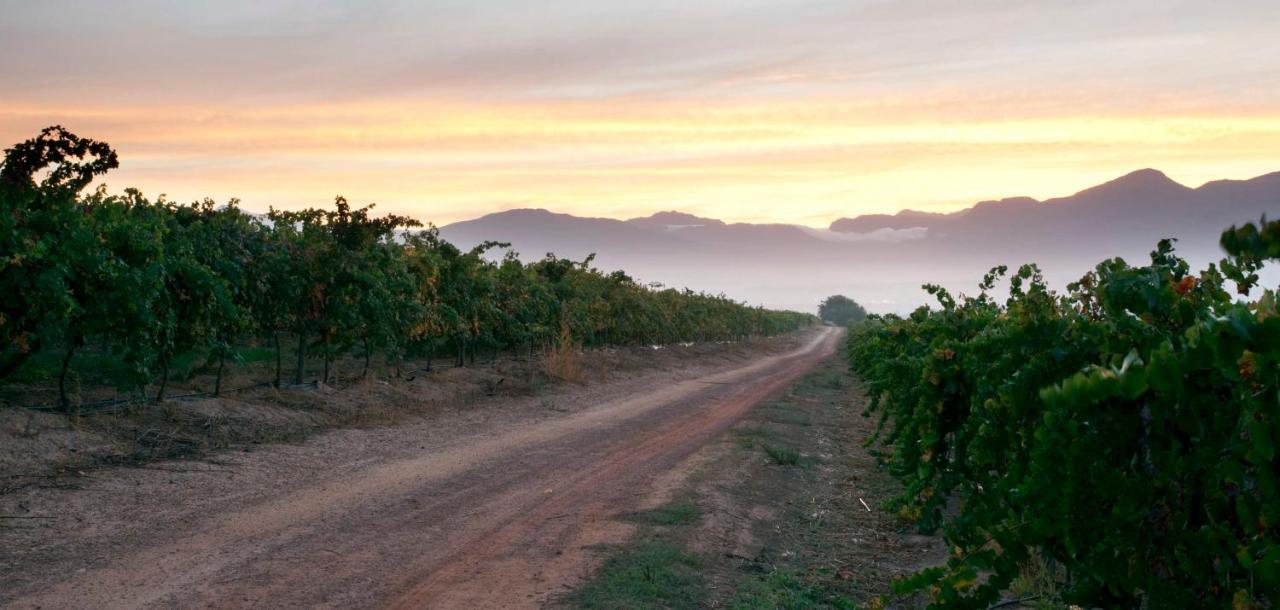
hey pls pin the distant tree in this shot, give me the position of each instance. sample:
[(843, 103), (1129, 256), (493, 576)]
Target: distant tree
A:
[(841, 310)]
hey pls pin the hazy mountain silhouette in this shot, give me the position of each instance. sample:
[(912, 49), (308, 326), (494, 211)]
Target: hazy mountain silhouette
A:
[(1145, 199), (882, 259)]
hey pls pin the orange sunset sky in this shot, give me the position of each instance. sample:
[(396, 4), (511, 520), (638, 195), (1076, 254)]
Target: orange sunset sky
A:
[(747, 111)]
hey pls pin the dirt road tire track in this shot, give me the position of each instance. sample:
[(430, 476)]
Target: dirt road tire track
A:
[(500, 522)]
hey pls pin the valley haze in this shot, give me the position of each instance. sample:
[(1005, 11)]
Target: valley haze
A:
[(882, 260)]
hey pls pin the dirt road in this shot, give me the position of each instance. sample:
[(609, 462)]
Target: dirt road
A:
[(498, 519)]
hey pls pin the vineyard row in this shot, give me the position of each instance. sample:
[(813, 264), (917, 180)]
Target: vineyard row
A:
[(1122, 435), (150, 280)]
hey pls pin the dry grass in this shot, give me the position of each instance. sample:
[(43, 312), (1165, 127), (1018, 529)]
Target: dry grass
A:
[(563, 360)]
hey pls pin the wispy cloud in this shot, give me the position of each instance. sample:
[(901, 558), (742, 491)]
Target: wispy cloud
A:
[(743, 110)]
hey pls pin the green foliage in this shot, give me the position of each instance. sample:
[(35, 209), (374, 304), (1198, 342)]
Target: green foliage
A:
[(841, 310), (1124, 432), (152, 282), (73, 162)]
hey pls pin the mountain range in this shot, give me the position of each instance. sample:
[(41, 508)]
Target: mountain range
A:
[(881, 259)]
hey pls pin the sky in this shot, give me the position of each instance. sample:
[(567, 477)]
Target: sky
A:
[(785, 111)]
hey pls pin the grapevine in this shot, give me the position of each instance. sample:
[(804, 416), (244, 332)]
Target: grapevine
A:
[(149, 281), (1124, 431)]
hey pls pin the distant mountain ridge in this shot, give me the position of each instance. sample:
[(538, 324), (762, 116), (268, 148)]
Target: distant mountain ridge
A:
[(674, 220), (1140, 192), (776, 264)]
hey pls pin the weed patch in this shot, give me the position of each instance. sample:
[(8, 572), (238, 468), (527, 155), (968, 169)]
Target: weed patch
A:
[(674, 514), (785, 589), (784, 456), (651, 575), (748, 438)]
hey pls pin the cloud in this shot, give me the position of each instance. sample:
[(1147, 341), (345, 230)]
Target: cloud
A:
[(147, 50), (745, 110), (884, 235)]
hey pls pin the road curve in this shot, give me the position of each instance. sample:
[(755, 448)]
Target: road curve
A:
[(495, 523)]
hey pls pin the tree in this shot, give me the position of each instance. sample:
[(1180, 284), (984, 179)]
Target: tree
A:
[(841, 310)]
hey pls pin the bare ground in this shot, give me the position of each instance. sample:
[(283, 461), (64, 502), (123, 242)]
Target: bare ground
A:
[(805, 532), (36, 445), (469, 508)]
